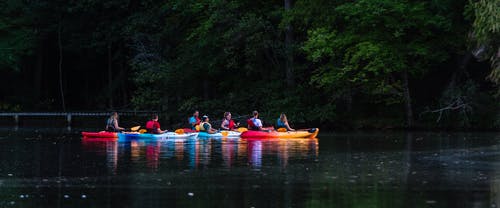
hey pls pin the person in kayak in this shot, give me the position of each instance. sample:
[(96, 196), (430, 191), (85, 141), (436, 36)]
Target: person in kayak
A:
[(255, 123), (282, 122), (194, 120), (153, 126), (112, 123), (206, 127), (228, 123)]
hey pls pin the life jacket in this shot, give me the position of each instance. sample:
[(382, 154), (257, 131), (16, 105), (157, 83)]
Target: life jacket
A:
[(152, 126), (230, 124), (110, 125), (280, 124), (202, 128), (251, 124), (197, 122)]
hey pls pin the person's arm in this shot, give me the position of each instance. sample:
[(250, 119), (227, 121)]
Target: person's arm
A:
[(288, 127), (222, 125), (259, 124), (159, 128), (212, 131), (192, 121), (115, 122)]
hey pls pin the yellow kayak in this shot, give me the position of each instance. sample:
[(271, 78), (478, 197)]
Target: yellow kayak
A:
[(311, 133)]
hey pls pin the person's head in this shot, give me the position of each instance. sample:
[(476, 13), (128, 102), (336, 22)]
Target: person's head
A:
[(114, 115), (283, 117), (196, 113), (154, 117), (227, 115), (255, 113), (204, 118)]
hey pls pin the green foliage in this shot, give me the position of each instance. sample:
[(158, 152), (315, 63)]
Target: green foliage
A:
[(486, 33), (16, 35), (374, 42)]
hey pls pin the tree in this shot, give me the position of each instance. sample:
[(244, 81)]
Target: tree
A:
[(486, 33), (376, 47), (16, 34)]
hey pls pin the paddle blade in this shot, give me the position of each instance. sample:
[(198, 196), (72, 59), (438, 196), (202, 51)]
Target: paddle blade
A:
[(135, 128), (242, 129), (179, 131), (281, 130)]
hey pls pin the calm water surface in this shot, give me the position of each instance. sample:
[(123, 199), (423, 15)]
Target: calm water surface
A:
[(59, 169)]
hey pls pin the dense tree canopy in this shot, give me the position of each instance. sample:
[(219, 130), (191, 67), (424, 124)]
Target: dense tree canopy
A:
[(367, 63)]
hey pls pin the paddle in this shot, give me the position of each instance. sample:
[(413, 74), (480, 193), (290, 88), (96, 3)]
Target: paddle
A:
[(242, 129), (179, 131), (135, 128)]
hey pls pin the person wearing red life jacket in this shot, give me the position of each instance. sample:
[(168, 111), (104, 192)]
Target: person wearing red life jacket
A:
[(153, 126), (255, 123), (228, 123)]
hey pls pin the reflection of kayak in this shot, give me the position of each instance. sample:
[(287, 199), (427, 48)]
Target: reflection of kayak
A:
[(99, 139), (230, 134), (167, 135), (101, 134), (311, 133)]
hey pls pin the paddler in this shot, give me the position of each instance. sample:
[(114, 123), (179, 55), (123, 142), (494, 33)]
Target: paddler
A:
[(194, 120), (282, 122), (205, 126), (228, 123), (153, 126), (255, 123), (112, 123)]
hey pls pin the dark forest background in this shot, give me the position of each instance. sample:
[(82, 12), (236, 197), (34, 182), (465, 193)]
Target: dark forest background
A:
[(335, 63)]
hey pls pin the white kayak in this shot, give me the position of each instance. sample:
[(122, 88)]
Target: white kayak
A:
[(228, 134), (167, 135)]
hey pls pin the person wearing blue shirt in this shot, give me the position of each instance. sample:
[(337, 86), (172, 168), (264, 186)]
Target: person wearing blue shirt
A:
[(282, 122), (194, 120)]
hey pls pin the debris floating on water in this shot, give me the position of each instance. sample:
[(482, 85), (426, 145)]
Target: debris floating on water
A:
[(190, 194)]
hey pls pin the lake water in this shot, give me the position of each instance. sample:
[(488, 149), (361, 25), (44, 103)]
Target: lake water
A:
[(373, 169)]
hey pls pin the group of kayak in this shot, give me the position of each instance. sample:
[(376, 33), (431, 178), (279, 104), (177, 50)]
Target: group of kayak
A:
[(203, 128)]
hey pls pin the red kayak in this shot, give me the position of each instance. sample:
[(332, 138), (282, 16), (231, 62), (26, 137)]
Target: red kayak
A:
[(101, 134)]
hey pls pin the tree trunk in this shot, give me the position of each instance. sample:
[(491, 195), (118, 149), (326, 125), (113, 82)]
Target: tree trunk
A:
[(407, 99), (59, 42), (110, 77), (289, 49), (37, 85), (457, 75)]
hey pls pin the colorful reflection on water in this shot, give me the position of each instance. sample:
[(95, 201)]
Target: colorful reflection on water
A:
[(224, 153)]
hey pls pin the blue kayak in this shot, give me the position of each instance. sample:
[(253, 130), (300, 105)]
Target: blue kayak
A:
[(228, 134), (167, 135)]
